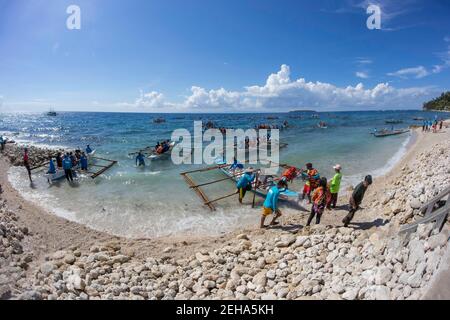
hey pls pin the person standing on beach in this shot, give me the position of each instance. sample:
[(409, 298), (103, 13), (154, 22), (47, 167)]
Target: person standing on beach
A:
[(441, 123), (59, 160), (2, 143), (270, 205), (67, 166), (335, 185), (319, 198), (312, 177), (356, 199), (245, 183), (26, 163)]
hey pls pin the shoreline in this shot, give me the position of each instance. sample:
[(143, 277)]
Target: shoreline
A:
[(50, 233), (378, 173)]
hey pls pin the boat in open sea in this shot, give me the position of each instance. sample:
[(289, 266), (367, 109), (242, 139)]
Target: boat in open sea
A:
[(393, 121), (52, 113)]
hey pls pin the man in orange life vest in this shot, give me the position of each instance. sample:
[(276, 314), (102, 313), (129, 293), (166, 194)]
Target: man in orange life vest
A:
[(312, 178)]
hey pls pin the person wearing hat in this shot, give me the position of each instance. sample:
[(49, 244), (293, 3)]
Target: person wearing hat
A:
[(271, 203), (335, 185), (26, 163), (244, 184), (356, 199), (312, 178)]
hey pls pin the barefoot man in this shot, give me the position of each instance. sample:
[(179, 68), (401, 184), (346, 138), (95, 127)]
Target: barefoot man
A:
[(271, 203)]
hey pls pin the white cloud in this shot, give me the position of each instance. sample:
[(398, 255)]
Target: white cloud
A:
[(280, 93), (362, 74), (416, 72)]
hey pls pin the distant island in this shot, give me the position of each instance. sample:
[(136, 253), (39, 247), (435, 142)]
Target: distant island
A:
[(300, 111), (441, 103)]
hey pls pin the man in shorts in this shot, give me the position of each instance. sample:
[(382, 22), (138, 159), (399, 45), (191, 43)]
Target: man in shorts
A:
[(271, 203)]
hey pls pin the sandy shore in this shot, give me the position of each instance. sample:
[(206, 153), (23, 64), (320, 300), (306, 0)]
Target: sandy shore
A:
[(49, 233)]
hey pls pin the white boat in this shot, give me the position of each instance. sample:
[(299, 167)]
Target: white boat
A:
[(53, 177)]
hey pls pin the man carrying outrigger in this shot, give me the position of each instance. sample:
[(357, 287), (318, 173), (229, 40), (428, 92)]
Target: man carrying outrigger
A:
[(271, 203), (244, 184)]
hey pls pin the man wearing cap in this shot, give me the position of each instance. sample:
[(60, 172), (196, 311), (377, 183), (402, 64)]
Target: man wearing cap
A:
[(356, 199), (244, 184), (335, 185)]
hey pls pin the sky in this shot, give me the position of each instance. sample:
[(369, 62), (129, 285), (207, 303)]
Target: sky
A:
[(222, 55)]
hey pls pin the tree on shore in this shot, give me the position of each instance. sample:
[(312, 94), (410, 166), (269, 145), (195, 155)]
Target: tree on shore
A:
[(439, 103)]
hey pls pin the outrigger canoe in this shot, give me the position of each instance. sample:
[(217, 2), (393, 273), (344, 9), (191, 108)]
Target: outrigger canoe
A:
[(262, 189), (386, 133), (160, 156)]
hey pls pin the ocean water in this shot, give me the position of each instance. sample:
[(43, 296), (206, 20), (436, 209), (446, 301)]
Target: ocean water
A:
[(155, 201)]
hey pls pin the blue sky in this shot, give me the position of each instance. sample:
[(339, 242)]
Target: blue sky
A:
[(215, 55)]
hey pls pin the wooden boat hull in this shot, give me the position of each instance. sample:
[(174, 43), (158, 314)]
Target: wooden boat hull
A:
[(387, 134)]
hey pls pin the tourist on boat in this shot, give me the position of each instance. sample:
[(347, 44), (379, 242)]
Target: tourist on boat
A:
[(140, 160), (270, 205), (335, 185), (84, 162), (51, 167), (88, 149), (319, 198), (26, 163), (356, 199), (67, 166), (59, 160), (312, 177), (166, 146), (244, 184)]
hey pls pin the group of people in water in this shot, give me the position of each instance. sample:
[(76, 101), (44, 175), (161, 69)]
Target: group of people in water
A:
[(320, 193), (432, 125), (69, 162)]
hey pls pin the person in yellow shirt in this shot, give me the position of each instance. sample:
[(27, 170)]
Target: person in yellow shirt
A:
[(335, 185)]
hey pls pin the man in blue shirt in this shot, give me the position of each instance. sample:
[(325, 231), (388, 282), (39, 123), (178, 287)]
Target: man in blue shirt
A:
[(84, 162), (67, 166), (271, 203), (244, 184), (51, 168), (140, 159), (88, 149)]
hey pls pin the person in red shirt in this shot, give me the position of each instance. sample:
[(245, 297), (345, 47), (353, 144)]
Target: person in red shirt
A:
[(26, 163)]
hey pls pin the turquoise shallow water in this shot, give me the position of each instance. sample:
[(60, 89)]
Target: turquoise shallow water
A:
[(155, 201)]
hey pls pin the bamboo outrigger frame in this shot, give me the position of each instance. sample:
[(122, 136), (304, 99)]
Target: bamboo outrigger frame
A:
[(187, 175), (94, 174)]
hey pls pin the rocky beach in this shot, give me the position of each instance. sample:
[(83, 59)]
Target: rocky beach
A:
[(43, 256)]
